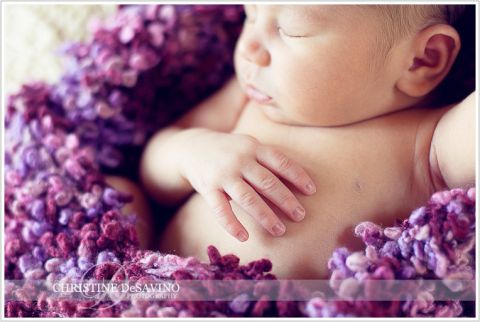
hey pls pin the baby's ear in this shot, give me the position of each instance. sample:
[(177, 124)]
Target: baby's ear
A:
[(434, 49)]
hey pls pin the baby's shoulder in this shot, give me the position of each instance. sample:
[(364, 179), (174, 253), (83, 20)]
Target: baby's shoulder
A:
[(425, 171), (422, 120)]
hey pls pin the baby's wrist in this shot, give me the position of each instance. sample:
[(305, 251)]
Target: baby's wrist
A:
[(182, 145)]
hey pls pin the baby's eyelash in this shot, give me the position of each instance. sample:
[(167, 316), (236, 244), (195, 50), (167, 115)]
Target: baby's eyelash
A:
[(280, 30)]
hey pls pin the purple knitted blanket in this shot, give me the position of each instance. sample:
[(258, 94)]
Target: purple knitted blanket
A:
[(145, 66)]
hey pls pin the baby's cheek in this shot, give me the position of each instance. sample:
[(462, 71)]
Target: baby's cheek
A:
[(236, 58), (297, 101)]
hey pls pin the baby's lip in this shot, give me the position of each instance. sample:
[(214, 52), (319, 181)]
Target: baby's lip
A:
[(255, 94)]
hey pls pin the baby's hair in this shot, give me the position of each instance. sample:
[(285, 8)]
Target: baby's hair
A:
[(403, 20)]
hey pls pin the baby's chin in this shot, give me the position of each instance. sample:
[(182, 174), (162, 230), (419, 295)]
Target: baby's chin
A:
[(273, 113), (276, 115)]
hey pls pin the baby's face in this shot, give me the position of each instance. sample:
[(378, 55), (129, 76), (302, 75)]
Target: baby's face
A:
[(312, 65)]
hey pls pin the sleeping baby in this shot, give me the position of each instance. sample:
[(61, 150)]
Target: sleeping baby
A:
[(328, 122)]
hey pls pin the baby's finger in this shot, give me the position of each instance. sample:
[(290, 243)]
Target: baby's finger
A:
[(272, 188), (286, 168), (222, 210), (247, 198)]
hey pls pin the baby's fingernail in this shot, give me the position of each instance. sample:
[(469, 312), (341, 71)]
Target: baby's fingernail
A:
[(242, 236), (278, 229), (311, 188), (299, 213)]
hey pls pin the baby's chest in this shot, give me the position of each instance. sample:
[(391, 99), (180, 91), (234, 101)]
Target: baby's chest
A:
[(369, 164)]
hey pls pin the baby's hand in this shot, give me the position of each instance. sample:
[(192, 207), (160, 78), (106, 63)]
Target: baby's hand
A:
[(223, 166)]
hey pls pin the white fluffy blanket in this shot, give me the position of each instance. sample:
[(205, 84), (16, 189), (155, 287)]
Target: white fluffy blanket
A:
[(34, 31)]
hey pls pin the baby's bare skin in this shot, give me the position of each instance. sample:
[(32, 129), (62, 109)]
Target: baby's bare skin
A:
[(316, 95), (376, 170)]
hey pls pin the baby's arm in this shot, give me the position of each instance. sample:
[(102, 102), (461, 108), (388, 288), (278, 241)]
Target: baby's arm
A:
[(158, 171), (452, 152), (196, 153)]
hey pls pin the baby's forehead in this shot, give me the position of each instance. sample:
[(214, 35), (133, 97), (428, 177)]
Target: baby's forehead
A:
[(323, 12)]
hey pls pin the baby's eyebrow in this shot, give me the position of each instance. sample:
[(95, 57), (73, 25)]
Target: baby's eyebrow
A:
[(308, 13)]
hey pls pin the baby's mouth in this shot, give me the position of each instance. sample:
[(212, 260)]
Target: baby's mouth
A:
[(254, 94)]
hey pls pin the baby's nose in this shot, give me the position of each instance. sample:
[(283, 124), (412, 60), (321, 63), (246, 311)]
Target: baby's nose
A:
[(253, 51)]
